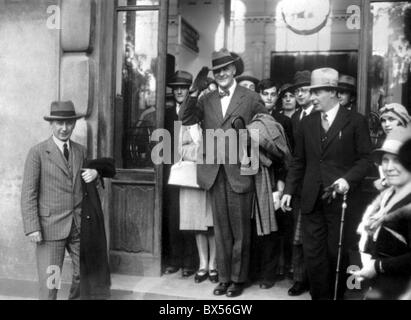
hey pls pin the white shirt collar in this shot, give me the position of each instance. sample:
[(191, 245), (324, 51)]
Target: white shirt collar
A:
[(60, 143), (231, 89), (306, 110), (332, 113), (178, 106)]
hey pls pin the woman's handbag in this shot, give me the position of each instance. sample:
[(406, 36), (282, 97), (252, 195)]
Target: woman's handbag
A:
[(184, 174)]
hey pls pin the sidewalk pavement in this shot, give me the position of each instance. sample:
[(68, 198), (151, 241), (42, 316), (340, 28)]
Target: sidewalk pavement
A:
[(167, 287)]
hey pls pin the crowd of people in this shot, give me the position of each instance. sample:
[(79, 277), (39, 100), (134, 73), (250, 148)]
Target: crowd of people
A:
[(286, 220), (297, 215)]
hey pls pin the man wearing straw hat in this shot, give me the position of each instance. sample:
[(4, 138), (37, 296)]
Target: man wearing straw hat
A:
[(231, 192), (51, 199), (330, 159)]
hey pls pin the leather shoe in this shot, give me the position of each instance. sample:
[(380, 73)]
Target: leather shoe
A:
[(221, 288), (297, 289), (200, 276), (187, 273), (213, 276), (235, 289), (170, 270), (266, 284)]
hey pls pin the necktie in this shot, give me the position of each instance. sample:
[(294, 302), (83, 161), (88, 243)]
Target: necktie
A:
[(303, 114), (324, 122), (65, 151), (223, 93)]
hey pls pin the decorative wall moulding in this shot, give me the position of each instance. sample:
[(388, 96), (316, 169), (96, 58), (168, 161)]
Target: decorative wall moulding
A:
[(78, 23), (77, 81)]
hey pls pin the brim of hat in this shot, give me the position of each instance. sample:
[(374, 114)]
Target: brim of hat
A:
[(53, 118), (321, 86), (393, 148), (296, 86), (347, 88), (174, 84), (282, 92), (224, 65)]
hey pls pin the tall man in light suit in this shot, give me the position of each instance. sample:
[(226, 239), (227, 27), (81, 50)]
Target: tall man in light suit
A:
[(231, 192), (51, 200), (332, 149)]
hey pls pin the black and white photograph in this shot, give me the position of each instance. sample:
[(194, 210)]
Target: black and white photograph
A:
[(222, 152)]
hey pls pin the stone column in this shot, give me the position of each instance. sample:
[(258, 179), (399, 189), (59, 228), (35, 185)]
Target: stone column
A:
[(77, 71)]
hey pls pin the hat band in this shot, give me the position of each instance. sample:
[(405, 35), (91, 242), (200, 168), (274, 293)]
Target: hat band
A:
[(180, 80), (222, 60), (63, 113), (347, 86)]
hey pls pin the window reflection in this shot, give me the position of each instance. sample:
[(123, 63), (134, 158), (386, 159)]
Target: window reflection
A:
[(136, 85), (390, 61)]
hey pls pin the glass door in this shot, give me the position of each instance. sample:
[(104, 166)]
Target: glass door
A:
[(135, 219), (387, 59)]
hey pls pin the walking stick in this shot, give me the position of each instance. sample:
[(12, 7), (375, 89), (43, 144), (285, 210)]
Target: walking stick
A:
[(344, 207)]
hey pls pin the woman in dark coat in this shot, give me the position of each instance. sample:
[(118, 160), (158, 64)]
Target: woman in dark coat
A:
[(385, 244), (94, 268)]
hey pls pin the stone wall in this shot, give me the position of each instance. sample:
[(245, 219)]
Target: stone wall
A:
[(46, 54)]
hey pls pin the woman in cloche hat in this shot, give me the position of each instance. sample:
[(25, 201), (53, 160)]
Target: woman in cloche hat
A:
[(386, 226)]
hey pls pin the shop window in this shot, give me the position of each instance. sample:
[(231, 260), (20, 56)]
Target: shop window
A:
[(389, 61), (136, 85), (285, 64)]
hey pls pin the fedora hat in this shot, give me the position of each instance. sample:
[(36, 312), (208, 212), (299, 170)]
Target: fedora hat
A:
[(301, 79), (223, 58), (62, 110), (239, 64), (393, 142), (347, 83), (324, 78), (181, 78)]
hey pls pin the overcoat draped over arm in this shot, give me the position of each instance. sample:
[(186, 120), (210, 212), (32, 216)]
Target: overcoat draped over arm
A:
[(274, 151), (94, 267)]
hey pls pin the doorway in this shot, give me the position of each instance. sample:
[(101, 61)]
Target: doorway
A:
[(136, 192)]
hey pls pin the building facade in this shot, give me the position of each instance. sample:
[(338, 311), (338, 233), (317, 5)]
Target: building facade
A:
[(112, 59)]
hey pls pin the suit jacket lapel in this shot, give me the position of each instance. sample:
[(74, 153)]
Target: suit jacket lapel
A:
[(234, 103), (316, 130), (56, 156), (216, 103), (341, 119)]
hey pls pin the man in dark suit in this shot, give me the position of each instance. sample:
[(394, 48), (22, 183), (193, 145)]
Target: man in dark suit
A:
[(179, 246), (51, 199), (301, 90), (231, 192), (332, 149)]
